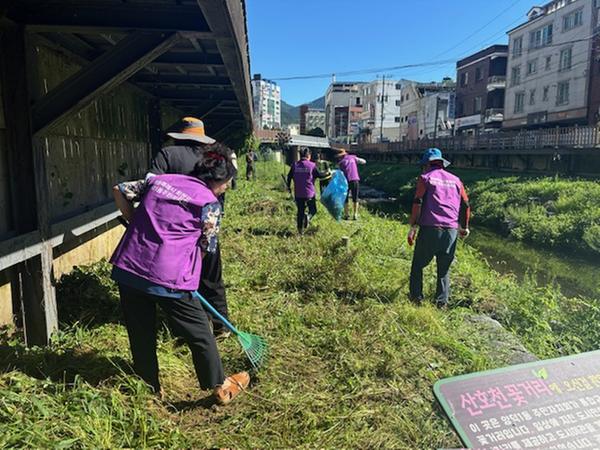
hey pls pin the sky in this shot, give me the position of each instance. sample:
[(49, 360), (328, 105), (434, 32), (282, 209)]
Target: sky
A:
[(290, 38)]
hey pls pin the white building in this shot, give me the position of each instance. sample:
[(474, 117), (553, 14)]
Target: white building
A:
[(426, 110), (315, 118), (340, 95), (381, 109), (293, 129), (266, 99), (549, 65)]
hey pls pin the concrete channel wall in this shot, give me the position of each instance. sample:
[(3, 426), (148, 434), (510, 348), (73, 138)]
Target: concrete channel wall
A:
[(571, 163)]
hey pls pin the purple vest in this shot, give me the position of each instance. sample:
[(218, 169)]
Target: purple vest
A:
[(441, 203), (349, 167), (161, 242), (304, 182)]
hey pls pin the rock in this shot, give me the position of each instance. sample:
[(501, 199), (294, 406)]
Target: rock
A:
[(503, 346)]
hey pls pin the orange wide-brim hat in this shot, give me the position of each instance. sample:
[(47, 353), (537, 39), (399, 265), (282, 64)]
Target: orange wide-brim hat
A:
[(192, 129)]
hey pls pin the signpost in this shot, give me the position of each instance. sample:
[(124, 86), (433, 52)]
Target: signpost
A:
[(552, 404)]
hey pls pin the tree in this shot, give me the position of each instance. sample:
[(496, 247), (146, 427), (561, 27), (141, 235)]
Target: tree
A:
[(317, 132), (251, 142)]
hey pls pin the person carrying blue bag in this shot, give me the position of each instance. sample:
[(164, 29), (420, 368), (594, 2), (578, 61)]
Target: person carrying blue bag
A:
[(303, 174)]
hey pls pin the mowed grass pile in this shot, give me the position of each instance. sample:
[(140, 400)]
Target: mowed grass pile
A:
[(352, 362), (548, 211)]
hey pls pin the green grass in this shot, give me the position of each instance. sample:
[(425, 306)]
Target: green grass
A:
[(551, 212), (352, 362)]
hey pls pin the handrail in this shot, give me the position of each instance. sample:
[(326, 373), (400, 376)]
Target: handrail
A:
[(570, 138)]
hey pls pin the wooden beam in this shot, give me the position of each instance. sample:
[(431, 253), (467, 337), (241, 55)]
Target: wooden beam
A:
[(177, 79), (87, 18), (190, 58), (187, 96), (29, 191), (227, 20), (105, 72)]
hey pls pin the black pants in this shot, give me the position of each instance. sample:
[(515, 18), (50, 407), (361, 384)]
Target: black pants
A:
[(352, 191), (441, 244), (302, 203), (211, 285), (187, 319)]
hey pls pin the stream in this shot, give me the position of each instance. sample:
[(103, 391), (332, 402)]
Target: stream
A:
[(574, 276)]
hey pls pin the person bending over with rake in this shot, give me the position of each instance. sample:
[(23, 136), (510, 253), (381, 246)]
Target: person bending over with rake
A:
[(159, 261)]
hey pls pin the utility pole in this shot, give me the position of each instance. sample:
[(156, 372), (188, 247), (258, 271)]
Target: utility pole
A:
[(382, 104), (437, 107), (348, 128)]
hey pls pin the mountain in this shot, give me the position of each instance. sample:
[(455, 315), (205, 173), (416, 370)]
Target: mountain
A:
[(291, 114)]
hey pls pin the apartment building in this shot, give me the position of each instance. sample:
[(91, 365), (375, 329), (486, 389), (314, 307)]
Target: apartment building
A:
[(427, 110), (381, 109), (311, 118), (266, 100), (550, 68), (340, 95), (480, 90)]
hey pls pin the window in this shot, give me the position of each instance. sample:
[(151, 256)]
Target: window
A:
[(519, 102), (564, 62), (548, 62), (478, 74), (477, 105), (464, 79), (517, 47), (397, 119), (573, 20), (398, 86), (532, 97), (540, 37), (358, 100), (562, 93), (515, 76), (532, 67), (397, 102), (546, 93)]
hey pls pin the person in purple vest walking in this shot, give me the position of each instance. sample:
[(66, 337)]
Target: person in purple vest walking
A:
[(440, 213), (159, 262), (348, 164), (303, 174)]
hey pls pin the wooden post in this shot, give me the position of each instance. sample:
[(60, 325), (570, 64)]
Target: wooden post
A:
[(155, 127), (29, 189)]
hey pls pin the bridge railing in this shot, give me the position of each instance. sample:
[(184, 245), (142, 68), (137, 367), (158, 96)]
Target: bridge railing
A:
[(572, 137)]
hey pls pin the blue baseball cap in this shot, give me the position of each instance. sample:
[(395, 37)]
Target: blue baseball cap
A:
[(433, 154)]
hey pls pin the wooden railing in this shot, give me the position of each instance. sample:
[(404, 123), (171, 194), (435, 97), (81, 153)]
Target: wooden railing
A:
[(531, 140)]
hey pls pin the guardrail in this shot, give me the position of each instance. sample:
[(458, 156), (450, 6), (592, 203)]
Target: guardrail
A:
[(530, 140)]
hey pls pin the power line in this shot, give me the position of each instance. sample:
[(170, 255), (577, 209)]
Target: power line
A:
[(479, 29), (409, 66)]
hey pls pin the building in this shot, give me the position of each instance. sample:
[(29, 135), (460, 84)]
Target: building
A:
[(480, 90), (311, 118), (549, 66), (293, 129), (346, 123), (340, 95), (426, 110), (381, 109), (266, 98)]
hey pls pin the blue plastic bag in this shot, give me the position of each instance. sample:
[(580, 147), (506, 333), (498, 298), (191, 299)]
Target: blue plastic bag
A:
[(334, 195)]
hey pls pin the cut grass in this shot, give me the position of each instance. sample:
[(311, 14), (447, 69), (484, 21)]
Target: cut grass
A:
[(352, 362)]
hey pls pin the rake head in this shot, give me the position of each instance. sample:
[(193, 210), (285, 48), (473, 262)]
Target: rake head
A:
[(255, 347)]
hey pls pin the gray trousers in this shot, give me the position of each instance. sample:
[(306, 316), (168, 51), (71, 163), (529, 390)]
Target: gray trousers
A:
[(438, 242)]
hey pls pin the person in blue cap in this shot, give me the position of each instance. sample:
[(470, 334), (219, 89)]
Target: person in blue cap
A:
[(440, 213)]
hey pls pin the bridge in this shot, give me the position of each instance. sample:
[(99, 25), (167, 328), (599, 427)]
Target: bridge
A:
[(87, 90)]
